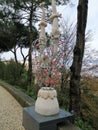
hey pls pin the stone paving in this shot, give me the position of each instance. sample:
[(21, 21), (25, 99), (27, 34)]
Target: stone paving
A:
[(10, 112)]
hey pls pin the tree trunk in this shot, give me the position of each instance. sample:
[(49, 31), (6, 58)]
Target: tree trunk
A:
[(78, 57), (29, 78), (24, 60), (15, 55)]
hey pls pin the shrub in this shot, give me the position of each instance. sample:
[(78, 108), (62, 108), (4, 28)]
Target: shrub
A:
[(89, 101), (13, 72), (2, 70), (83, 125)]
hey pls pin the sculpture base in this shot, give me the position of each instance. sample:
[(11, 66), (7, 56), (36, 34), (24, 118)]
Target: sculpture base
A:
[(35, 121)]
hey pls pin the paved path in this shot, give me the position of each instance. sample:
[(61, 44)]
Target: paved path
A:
[(10, 112)]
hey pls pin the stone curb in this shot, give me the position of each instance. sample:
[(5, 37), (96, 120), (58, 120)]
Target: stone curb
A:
[(20, 96)]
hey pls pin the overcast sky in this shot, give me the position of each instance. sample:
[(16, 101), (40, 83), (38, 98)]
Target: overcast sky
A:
[(69, 12)]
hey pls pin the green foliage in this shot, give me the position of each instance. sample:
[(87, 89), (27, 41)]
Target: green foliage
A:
[(32, 94), (63, 98), (34, 91), (12, 30), (15, 34), (2, 70), (63, 93), (89, 100), (11, 73), (83, 125), (22, 81), (89, 103), (6, 37)]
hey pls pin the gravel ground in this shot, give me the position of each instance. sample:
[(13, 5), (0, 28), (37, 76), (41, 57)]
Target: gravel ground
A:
[(10, 112)]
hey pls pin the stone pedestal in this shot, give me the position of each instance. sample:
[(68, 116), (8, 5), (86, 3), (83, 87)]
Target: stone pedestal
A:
[(35, 121)]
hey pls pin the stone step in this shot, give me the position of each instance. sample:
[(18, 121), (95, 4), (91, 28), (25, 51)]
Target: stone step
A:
[(67, 126)]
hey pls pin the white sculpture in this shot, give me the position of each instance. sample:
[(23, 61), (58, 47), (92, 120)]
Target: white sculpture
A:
[(55, 27), (42, 24), (54, 18), (47, 103)]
